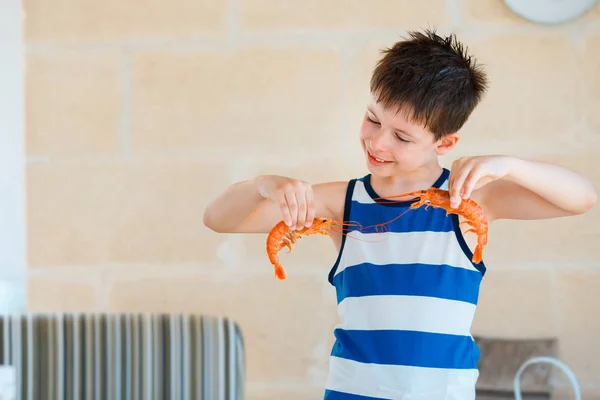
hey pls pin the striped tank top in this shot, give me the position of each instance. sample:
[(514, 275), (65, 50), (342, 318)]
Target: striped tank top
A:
[(406, 298)]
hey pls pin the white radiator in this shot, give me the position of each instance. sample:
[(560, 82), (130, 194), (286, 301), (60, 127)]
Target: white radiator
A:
[(123, 356)]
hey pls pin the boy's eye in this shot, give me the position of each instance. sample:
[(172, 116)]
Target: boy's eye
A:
[(371, 121), (377, 123)]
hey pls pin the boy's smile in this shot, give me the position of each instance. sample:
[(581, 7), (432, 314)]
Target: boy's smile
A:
[(376, 161)]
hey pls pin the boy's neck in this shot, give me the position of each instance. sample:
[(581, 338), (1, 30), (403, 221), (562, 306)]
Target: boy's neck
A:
[(420, 179)]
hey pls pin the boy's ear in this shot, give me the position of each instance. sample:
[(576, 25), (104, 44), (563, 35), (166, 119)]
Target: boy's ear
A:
[(446, 143)]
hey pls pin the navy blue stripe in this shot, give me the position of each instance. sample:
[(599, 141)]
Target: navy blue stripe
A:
[(372, 216), (347, 207), (441, 281), (411, 348), (335, 395)]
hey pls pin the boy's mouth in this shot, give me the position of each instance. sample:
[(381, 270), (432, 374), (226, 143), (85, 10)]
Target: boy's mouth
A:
[(376, 161)]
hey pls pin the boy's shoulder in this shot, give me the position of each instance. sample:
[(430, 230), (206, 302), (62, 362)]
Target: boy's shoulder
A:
[(332, 196), (339, 189)]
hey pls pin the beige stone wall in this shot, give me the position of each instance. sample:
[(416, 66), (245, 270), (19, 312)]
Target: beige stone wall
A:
[(137, 115)]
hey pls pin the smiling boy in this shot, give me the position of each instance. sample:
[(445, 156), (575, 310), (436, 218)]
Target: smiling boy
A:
[(407, 297)]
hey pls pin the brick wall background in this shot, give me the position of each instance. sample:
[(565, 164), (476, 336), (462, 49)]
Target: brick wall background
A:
[(138, 115)]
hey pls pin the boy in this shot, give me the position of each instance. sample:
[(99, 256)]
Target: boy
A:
[(406, 299)]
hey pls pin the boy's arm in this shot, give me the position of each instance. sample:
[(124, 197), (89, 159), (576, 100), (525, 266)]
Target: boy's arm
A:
[(256, 205), (512, 188)]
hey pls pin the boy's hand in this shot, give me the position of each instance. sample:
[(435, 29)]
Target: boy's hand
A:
[(295, 198), (471, 173)]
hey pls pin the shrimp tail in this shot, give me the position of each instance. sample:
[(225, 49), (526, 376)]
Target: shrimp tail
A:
[(481, 242), (274, 258), (279, 272), (478, 254)]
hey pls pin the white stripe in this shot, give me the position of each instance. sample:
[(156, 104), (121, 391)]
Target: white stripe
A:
[(89, 360), (158, 366), (187, 369), (118, 360), (241, 370), (128, 357), (231, 362), (113, 367), (221, 363), (17, 346), (97, 354), (61, 356), (412, 313), (403, 248), (199, 356), (360, 194), (76, 350), (173, 345), (51, 346), (401, 382), (149, 362), (30, 357)]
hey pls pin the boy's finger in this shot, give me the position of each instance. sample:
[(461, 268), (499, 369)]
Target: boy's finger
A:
[(457, 166), (290, 197), (470, 184), (457, 186), (301, 216), (285, 211), (310, 207)]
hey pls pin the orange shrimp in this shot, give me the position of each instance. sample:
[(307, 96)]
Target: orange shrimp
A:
[(469, 209), (281, 236)]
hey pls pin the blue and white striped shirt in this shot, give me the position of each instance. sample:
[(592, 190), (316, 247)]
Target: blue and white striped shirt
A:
[(406, 301)]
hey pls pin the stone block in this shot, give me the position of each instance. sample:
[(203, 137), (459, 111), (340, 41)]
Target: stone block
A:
[(590, 83), (74, 103), (253, 101), (278, 391), (86, 21), (526, 102), (490, 12), (50, 295), (516, 304), (265, 15), (98, 213), (579, 323)]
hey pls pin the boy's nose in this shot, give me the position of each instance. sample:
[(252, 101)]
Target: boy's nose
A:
[(378, 143)]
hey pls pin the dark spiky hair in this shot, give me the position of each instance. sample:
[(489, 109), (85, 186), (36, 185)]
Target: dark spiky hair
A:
[(432, 79)]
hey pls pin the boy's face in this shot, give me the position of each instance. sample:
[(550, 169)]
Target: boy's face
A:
[(394, 145)]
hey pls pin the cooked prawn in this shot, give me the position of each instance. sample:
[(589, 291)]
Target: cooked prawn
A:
[(281, 236), (468, 209)]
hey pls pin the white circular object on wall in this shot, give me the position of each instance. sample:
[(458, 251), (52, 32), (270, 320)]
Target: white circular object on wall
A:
[(550, 11)]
